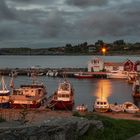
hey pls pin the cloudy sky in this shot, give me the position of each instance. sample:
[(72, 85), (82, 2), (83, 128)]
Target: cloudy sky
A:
[(48, 23)]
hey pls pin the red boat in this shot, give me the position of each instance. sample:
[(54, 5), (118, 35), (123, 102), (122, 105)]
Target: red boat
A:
[(82, 75), (63, 98)]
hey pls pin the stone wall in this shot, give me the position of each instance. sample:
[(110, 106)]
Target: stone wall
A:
[(51, 129)]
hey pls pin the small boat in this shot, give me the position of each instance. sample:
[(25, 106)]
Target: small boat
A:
[(4, 95), (63, 98), (116, 108), (82, 75), (130, 107), (81, 108), (101, 105), (117, 75)]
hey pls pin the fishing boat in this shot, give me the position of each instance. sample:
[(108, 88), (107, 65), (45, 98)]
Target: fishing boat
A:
[(4, 95), (117, 75), (130, 107), (82, 75), (81, 108), (63, 98), (101, 105), (136, 89), (116, 108), (28, 96)]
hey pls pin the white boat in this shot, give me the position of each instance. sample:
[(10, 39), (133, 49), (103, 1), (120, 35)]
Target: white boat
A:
[(81, 108), (116, 108), (82, 75), (4, 95), (130, 107), (101, 105), (117, 75)]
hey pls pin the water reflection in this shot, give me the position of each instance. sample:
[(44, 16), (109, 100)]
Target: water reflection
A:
[(104, 88)]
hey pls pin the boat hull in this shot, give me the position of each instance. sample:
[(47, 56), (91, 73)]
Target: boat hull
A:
[(102, 110), (62, 105), (5, 105), (21, 106)]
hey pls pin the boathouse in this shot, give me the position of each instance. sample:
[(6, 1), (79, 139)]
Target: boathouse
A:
[(95, 64), (113, 66), (128, 65), (137, 66)]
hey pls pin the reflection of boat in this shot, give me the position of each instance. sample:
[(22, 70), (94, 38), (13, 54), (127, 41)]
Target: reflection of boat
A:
[(83, 75), (4, 95), (63, 98), (101, 105), (81, 108), (116, 108), (130, 107), (117, 75), (136, 89)]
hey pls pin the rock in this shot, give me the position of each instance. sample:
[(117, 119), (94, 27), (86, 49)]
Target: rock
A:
[(53, 129)]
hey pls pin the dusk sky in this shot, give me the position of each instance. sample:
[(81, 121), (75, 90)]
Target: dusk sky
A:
[(51, 23)]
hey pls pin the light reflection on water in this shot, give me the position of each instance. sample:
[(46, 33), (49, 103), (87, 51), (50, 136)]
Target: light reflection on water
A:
[(103, 88), (86, 90)]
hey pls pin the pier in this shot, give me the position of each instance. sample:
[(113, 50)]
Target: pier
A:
[(68, 72)]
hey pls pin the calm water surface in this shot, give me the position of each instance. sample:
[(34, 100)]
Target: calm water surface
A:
[(86, 90), (56, 61)]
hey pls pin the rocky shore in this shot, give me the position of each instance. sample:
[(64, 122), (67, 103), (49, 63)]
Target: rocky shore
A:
[(50, 128)]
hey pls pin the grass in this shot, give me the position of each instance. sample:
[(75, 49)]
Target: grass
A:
[(114, 129)]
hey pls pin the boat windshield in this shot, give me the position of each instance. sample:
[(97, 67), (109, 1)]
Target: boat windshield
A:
[(64, 86)]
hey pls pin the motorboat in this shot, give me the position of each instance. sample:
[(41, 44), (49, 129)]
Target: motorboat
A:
[(130, 107), (101, 105), (117, 75), (63, 98), (116, 107), (81, 108), (82, 75)]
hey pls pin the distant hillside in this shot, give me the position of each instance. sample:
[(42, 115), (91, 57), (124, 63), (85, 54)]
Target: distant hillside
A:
[(117, 47)]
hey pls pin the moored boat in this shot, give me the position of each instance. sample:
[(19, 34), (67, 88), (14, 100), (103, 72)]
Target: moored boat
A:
[(4, 95), (81, 108), (117, 75), (82, 75), (101, 105), (116, 108), (130, 107), (63, 98), (28, 96)]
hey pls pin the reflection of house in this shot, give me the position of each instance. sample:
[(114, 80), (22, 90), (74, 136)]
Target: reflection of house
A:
[(128, 66), (113, 66), (95, 64)]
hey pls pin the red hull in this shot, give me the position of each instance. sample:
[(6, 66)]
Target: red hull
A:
[(84, 76), (21, 106), (62, 105)]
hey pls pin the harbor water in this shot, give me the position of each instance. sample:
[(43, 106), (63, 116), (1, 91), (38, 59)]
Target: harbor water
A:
[(85, 90)]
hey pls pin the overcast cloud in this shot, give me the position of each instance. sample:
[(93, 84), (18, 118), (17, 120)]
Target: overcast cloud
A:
[(48, 23)]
